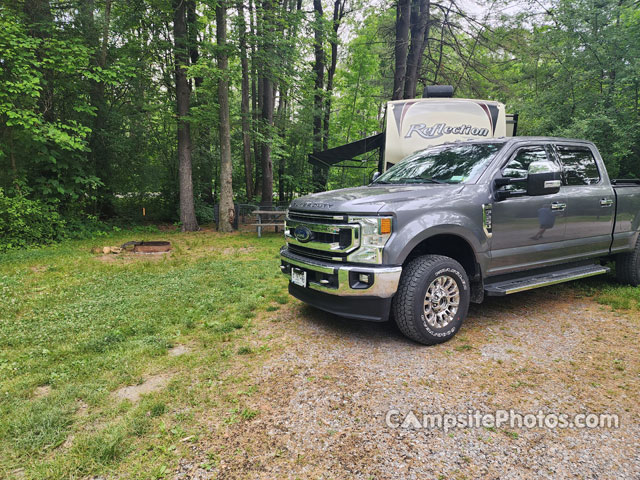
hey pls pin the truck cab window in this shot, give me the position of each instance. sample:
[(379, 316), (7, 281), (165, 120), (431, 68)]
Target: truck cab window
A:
[(518, 166), (449, 163), (579, 166)]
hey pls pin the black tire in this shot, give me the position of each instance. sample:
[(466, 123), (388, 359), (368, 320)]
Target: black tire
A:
[(409, 301), (628, 266)]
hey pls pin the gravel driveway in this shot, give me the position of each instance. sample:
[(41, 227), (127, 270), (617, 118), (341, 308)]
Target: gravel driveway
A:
[(325, 389)]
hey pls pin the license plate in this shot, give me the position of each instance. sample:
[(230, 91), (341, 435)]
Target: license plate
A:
[(299, 277)]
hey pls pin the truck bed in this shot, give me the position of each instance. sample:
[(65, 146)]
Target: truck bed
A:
[(627, 222)]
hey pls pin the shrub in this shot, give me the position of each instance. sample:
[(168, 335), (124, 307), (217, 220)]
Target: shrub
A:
[(205, 212), (25, 222)]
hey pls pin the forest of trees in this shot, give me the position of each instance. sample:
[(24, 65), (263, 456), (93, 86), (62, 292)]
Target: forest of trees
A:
[(174, 106)]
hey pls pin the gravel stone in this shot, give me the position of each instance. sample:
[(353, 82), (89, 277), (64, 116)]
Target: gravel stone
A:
[(324, 394)]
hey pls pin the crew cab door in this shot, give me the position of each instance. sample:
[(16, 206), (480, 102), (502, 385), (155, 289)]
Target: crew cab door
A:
[(527, 231), (590, 201)]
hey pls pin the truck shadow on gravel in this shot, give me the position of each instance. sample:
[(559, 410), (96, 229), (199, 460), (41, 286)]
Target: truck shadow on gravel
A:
[(524, 311)]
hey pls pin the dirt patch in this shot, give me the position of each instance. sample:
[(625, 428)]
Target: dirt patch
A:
[(107, 258), (322, 401), (167, 227), (68, 442), (42, 391), (82, 409), (18, 473), (178, 350), (151, 384), (38, 268)]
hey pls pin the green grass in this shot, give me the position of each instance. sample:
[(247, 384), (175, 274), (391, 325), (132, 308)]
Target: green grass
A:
[(606, 291), (75, 328)]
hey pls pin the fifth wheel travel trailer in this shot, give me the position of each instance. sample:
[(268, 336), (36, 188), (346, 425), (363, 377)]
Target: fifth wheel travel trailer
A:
[(415, 124)]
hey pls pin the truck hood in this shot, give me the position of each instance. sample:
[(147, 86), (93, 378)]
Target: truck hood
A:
[(371, 199)]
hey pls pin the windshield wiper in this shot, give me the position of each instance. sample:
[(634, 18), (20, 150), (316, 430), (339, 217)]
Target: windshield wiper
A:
[(423, 180)]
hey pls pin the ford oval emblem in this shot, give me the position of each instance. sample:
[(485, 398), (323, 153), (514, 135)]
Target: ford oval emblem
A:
[(302, 234)]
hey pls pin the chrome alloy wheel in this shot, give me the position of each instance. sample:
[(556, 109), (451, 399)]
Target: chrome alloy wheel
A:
[(441, 301)]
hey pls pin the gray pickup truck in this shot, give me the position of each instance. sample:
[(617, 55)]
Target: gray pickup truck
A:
[(455, 222)]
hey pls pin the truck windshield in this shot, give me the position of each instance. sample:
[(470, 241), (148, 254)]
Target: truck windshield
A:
[(459, 163)]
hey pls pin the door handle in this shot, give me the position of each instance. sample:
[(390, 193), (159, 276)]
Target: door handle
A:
[(606, 202), (559, 207)]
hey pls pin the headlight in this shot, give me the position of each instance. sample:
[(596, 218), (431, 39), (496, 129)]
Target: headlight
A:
[(374, 233)]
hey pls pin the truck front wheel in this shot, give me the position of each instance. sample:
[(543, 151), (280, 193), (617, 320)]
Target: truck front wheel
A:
[(432, 299)]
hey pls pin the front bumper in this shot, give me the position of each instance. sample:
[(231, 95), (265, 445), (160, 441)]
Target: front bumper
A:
[(343, 280)]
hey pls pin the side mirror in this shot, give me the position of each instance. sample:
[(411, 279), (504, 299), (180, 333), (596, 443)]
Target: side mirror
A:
[(543, 178), (499, 192), (375, 176), (501, 182)]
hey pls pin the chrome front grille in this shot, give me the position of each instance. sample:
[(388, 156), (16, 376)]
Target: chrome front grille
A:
[(331, 237), (317, 254), (317, 217)]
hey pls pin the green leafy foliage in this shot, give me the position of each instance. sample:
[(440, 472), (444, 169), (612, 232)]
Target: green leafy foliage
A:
[(570, 70), (27, 223), (88, 105), (44, 113)]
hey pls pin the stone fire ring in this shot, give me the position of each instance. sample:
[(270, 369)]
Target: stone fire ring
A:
[(152, 247)]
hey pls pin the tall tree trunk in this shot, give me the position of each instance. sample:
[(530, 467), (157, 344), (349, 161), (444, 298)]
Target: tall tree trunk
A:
[(445, 20), (281, 169), (419, 26), (227, 212), (338, 13), (38, 14), (403, 21), (425, 46), (267, 123), (282, 115), (267, 105), (105, 170), (256, 96), (319, 174), (204, 175), (244, 103), (281, 121), (183, 94), (98, 143), (353, 105), (102, 60), (192, 34)]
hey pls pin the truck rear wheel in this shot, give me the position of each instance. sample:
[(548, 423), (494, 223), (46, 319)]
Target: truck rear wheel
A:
[(432, 299), (628, 266)]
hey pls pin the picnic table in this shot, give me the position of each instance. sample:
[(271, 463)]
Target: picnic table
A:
[(269, 218)]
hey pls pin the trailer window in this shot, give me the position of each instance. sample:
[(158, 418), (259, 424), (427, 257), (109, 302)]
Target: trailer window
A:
[(459, 163), (578, 165)]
